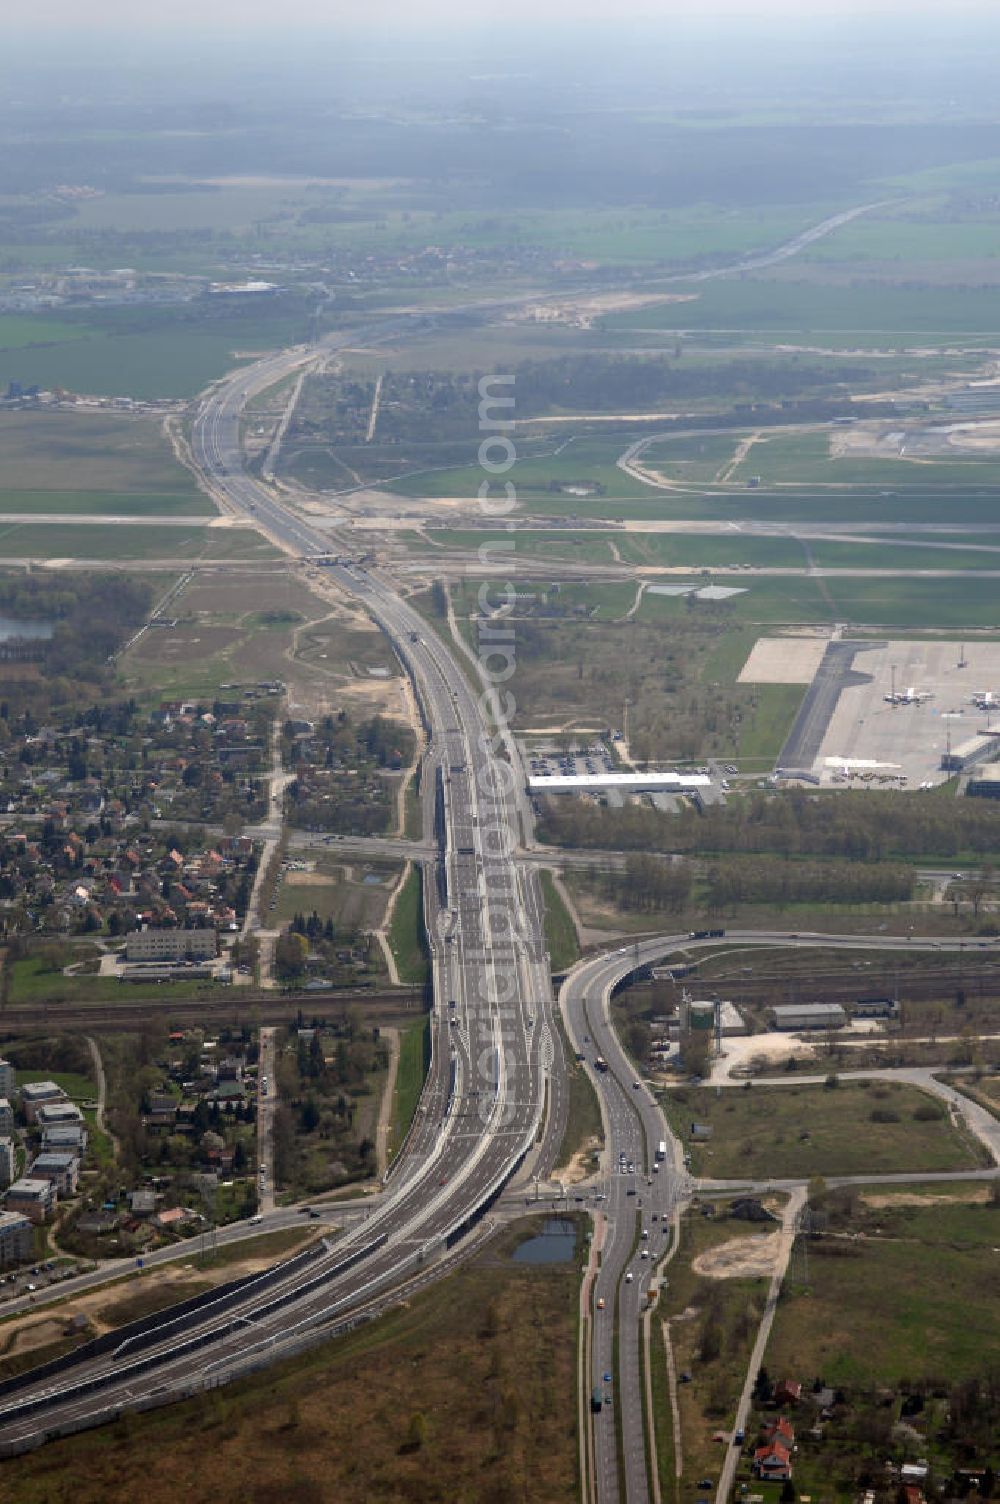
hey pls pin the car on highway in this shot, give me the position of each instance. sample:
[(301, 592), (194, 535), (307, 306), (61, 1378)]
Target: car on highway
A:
[(600, 1302), (629, 1277)]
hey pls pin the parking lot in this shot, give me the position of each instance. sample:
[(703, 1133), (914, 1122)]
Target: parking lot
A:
[(546, 761), (16, 1284)]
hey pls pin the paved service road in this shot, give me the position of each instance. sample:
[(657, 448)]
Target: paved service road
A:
[(267, 1101), (646, 1197)]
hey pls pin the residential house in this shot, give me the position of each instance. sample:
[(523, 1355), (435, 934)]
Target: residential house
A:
[(173, 1218), (35, 1198), (142, 1203), (787, 1392), (17, 1241), (98, 1222), (773, 1461), (779, 1430)]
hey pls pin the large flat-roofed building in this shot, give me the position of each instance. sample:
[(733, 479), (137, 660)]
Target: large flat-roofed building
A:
[(17, 1240), (6, 1116), (35, 1198), (622, 783), (55, 1114), (984, 782), (171, 945), (8, 1162), (62, 1169), (8, 1079), (809, 1016), (65, 1138), (38, 1094), (975, 749)]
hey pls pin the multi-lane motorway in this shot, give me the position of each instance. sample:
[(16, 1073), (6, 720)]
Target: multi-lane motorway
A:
[(495, 1050)]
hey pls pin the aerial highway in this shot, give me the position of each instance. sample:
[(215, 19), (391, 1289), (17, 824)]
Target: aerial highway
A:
[(496, 1054)]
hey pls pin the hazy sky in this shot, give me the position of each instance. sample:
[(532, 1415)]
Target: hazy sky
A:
[(373, 14)]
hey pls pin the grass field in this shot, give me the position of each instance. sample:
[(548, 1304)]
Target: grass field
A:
[(812, 1130), (698, 1307), (349, 902), (584, 1126), (414, 1058), (486, 1359), (30, 981), (103, 503), (96, 454), (560, 934), (102, 543), (897, 1303), (406, 931), (762, 733), (864, 315), (152, 353), (79, 1088), (889, 602), (409, 1079)]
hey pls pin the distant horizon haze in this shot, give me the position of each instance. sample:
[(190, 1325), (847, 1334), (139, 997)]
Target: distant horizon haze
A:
[(47, 18)]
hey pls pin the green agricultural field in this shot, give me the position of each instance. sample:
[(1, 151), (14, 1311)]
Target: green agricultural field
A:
[(538, 477), (153, 353), (585, 547), (806, 458), (104, 544), (914, 554), (913, 235), (767, 601), (730, 551), (889, 602), (800, 1131), (102, 503), (23, 331), (864, 315), (112, 460), (692, 459)]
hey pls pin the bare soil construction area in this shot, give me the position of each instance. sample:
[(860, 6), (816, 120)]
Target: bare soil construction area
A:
[(741, 1258)]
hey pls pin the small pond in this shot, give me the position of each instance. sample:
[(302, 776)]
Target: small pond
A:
[(555, 1244)]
